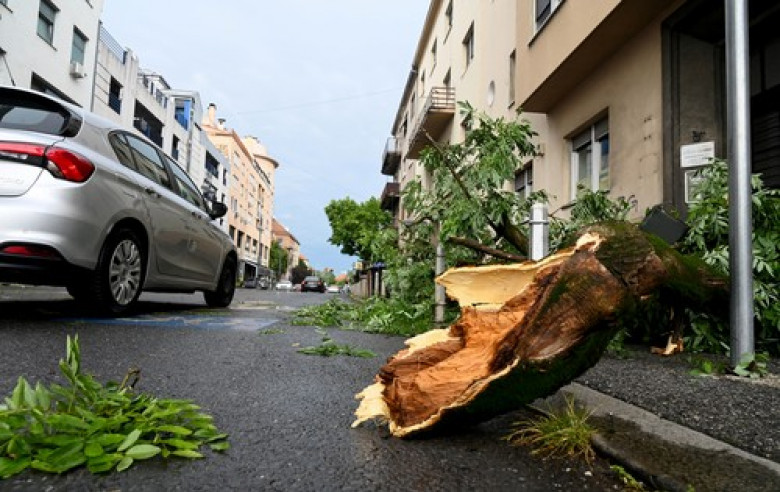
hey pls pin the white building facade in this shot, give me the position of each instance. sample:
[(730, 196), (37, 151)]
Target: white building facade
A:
[(50, 46)]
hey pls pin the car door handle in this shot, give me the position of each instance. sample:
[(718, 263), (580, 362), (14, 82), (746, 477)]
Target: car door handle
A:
[(150, 191)]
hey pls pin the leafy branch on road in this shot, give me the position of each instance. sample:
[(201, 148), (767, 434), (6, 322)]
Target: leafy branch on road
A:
[(57, 428), (329, 348)]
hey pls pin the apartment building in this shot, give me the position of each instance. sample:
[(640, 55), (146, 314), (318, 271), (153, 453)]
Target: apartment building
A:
[(466, 52), (266, 168), (250, 193), (289, 243), (50, 46), (142, 99), (633, 93), (627, 96)]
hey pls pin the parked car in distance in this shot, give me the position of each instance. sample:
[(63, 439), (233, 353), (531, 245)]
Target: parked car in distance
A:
[(101, 210), (285, 285), (312, 283), (333, 289)]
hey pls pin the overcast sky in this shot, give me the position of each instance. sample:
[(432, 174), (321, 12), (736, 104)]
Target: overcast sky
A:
[(318, 82)]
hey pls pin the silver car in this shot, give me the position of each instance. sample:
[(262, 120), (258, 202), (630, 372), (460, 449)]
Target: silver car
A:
[(101, 210)]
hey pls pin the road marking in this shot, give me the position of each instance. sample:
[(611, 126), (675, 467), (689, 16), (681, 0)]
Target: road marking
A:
[(197, 321)]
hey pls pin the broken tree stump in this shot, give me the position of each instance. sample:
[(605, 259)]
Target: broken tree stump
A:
[(528, 329)]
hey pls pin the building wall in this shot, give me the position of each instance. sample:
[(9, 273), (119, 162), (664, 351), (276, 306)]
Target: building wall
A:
[(266, 167), (483, 80), (628, 89), (243, 216), (26, 54), (588, 61)]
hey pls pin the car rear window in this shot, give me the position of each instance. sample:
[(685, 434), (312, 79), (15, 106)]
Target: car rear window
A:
[(24, 111)]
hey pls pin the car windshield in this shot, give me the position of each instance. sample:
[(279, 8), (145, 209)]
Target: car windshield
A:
[(311, 279)]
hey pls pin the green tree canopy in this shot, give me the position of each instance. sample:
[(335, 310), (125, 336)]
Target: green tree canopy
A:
[(467, 193), (359, 228)]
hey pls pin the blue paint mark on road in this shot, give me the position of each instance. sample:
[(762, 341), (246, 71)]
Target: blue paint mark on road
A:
[(196, 321)]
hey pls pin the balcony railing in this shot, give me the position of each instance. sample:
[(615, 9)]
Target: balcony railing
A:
[(436, 115), (391, 156), (391, 194)]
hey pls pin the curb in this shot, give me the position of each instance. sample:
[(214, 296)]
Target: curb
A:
[(665, 432)]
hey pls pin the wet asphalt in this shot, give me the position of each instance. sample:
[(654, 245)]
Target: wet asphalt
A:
[(288, 414)]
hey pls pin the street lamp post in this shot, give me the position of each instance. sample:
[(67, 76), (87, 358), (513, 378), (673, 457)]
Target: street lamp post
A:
[(439, 295)]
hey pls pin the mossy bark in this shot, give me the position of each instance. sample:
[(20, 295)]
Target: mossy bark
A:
[(528, 329)]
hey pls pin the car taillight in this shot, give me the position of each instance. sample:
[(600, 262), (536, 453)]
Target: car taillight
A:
[(61, 163), (68, 165), (31, 250)]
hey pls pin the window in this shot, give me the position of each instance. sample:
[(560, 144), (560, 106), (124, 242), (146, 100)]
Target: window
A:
[(4, 2), (148, 161), (122, 150), (212, 165), (447, 81), (468, 45), (46, 14), (590, 158), (422, 83), (78, 48), (543, 10), (448, 15), (512, 67), (524, 180), (175, 147), (434, 52), (115, 95), (185, 187)]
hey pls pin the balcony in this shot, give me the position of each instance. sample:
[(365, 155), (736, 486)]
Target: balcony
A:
[(390, 196), (436, 115), (391, 156)]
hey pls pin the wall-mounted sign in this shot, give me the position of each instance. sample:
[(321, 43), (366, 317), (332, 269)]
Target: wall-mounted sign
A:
[(692, 180), (698, 154)]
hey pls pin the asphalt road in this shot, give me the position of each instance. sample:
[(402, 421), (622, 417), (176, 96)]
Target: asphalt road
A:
[(288, 414)]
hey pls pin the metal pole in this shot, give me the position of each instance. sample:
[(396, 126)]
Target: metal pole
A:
[(740, 230), (439, 294), (540, 232)]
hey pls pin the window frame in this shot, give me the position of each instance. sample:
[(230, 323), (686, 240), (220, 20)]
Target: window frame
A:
[(47, 21), (526, 176), (542, 18), (469, 45), (74, 49), (595, 140)]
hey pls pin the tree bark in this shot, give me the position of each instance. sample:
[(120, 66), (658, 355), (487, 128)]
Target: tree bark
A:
[(527, 329)]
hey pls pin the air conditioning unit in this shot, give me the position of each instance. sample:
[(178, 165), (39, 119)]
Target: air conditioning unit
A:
[(77, 70)]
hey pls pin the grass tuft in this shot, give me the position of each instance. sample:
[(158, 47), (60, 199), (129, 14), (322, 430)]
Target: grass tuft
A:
[(562, 433)]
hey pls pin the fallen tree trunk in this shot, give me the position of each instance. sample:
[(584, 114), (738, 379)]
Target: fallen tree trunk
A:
[(527, 329)]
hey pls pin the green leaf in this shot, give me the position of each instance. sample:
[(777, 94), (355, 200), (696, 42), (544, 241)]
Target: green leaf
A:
[(9, 467), (103, 463), (124, 464), (108, 440), (187, 453), (129, 440), (66, 423), (181, 443), (93, 450), (220, 446), (142, 451), (174, 429)]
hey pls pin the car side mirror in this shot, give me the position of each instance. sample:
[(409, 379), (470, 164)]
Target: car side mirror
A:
[(218, 209)]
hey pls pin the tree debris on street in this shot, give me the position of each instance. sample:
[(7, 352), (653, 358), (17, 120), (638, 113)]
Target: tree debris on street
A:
[(529, 328)]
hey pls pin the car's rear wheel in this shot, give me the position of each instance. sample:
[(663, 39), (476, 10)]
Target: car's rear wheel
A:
[(119, 276), (226, 287)]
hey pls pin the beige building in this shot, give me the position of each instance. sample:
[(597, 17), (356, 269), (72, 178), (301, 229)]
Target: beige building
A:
[(250, 195), (289, 243), (627, 96)]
